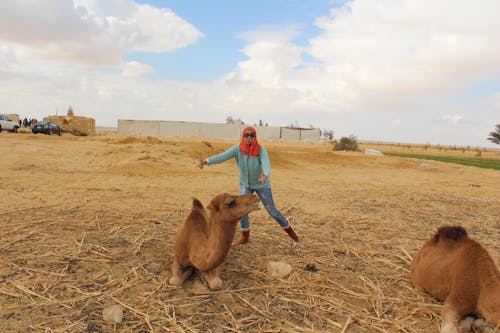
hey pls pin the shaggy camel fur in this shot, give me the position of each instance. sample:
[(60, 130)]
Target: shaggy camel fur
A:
[(454, 268), (203, 241)]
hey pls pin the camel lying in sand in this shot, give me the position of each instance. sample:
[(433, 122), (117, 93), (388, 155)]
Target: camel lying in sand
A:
[(203, 242), (454, 268)]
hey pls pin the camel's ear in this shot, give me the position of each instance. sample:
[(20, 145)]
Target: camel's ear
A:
[(215, 203), (197, 203), (212, 206), (218, 201)]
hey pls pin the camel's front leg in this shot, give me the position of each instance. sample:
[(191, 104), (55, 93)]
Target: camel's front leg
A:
[(450, 319), (179, 274), (213, 277)]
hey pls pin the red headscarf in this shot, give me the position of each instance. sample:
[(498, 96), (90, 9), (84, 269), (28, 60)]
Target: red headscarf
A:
[(252, 150)]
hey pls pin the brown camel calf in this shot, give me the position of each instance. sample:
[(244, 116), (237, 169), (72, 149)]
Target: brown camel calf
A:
[(458, 270), (203, 241)]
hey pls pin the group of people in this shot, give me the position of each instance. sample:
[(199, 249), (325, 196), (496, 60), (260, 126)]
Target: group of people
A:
[(254, 176), (27, 122)]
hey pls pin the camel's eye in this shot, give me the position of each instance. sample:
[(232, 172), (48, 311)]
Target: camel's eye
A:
[(231, 204)]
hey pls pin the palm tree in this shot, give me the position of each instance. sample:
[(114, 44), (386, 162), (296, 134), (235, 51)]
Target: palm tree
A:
[(495, 135)]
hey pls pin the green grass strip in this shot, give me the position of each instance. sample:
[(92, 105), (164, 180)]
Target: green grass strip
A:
[(486, 163)]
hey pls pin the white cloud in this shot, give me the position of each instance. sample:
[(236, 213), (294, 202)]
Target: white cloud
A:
[(396, 122), (377, 57), (373, 61), (90, 32), (410, 47), (452, 118), (134, 68)]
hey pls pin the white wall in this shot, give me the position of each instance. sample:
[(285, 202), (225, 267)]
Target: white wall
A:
[(266, 132), (209, 130), (178, 128), (310, 135), (290, 134), (222, 131), (134, 127)]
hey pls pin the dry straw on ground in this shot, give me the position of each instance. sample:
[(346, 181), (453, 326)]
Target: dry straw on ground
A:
[(90, 222)]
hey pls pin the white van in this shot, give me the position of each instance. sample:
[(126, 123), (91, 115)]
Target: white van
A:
[(8, 125)]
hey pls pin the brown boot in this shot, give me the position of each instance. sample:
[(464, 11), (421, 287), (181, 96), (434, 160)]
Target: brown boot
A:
[(245, 235), (289, 230)]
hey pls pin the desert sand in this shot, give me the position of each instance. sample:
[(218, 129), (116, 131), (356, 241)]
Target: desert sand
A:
[(90, 222)]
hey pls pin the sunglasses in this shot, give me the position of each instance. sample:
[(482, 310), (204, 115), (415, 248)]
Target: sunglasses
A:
[(249, 134)]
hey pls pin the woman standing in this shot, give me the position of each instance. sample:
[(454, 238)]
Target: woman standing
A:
[(254, 171)]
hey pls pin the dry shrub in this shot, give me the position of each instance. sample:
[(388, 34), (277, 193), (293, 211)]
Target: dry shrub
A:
[(346, 143)]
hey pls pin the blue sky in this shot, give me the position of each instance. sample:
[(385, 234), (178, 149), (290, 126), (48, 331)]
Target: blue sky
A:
[(223, 23), (406, 71)]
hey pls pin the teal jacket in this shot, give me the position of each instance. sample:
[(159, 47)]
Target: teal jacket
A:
[(250, 168)]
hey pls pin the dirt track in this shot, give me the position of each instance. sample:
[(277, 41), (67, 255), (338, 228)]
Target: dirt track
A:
[(90, 221)]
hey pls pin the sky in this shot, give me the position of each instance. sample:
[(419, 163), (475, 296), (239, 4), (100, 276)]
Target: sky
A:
[(406, 71)]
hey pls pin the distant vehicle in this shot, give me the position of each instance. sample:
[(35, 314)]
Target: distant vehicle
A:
[(8, 125), (46, 127)]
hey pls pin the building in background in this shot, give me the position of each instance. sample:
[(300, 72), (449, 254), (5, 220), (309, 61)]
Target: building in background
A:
[(76, 125)]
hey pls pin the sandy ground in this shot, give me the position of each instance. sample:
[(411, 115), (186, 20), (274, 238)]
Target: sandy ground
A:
[(88, 222)]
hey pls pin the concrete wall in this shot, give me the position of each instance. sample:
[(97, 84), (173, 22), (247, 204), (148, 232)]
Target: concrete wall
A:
[(178, 128), (266, 132), (290, 134), (310, 135), (139, 127), (222, 131), (208, 130), (300, 134)]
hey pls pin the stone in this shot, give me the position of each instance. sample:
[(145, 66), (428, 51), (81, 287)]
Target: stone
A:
[(113, 313), (278, 269)]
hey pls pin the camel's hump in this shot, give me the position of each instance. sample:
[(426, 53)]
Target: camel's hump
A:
[(452, 233)]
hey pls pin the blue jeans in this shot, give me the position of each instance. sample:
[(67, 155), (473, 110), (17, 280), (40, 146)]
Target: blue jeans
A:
[(266, 196)]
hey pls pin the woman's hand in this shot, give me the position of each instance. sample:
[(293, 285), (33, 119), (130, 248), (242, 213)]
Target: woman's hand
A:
[(201, 163), (263, 178)]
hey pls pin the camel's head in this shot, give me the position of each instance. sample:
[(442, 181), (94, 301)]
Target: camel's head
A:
[(231, 208)]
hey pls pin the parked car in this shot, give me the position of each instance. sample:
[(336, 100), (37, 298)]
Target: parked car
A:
[(46, 127), (6, 124)]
